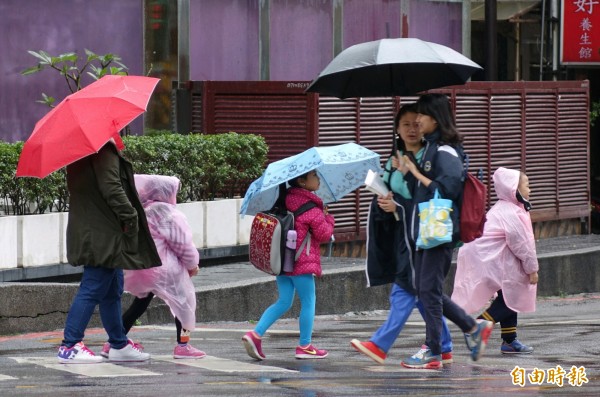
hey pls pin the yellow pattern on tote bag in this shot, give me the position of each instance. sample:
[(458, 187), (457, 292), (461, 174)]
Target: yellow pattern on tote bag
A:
[(435, 222)]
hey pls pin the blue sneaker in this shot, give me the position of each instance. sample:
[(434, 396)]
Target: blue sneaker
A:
[(477, 341), (515, 347), (423, 359)]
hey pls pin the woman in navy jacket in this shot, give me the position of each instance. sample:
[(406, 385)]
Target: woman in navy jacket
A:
[(441, 169)]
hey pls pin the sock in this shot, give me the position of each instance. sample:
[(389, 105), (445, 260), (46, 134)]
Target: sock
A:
[(185, 337)]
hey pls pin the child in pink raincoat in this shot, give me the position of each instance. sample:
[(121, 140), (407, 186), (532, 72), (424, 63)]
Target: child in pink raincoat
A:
[(180, 260), (502, 261), (301, 279)]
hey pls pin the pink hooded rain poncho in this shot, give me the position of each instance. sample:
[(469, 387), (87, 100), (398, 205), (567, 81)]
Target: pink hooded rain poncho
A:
[(173, 238), (503, 257)]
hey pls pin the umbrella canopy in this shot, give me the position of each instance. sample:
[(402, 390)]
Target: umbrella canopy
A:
[(83, 122), (341, 168), (391, 67)]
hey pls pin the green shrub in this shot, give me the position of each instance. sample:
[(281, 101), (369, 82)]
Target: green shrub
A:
[(209, 166), (28, 195)]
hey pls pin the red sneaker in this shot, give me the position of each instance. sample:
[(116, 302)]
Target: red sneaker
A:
[(310, 352), (447, 358), (252, 343), (370, 350)]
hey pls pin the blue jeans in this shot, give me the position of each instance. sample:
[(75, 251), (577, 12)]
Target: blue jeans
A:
[(287, 285), (402, 304), (99, 287)]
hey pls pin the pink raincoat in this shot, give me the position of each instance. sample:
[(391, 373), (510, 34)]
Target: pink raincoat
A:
[(321, 229), (503, 257), (173, 238)]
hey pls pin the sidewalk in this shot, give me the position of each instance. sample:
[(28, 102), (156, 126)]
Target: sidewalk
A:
[(239, 292), (243, 272)]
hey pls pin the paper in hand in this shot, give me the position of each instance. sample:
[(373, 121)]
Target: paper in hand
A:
[(375, 184)]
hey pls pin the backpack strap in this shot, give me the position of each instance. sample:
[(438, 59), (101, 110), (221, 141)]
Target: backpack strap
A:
[(304, 207), (306, 242)]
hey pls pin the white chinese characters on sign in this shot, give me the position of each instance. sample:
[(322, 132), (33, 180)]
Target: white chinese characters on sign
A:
[(585, 5), (585, 42)]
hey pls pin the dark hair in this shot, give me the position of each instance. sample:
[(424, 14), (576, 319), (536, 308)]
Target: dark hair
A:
[(410, 108), (437, 106), (294, 182), (279, 205)]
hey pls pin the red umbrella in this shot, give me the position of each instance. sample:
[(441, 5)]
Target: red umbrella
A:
[(83, 122)]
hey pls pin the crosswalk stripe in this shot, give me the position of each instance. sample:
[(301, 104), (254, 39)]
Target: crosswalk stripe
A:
[(107, 369), (221, 364), (100, 370)]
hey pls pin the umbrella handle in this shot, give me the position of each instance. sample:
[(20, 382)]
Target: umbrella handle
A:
[(330, 246)]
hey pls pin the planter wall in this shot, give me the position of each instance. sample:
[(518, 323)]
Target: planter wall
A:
[(8, 242), (39, 240)]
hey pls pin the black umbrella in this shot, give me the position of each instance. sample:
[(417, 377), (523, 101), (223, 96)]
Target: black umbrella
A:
[(391, 67)]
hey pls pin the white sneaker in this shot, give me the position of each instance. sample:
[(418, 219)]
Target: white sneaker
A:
[(106, 348), (78, 354), (129, 353)]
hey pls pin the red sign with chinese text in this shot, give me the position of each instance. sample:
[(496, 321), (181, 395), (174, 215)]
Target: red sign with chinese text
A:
[(580, 32)]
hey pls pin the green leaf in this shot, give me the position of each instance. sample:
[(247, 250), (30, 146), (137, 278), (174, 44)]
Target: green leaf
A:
[(41, 55), (116, 70), (48, 100), (54, 60), (31, 70), (120, 64), (91, 56), (68, 57)]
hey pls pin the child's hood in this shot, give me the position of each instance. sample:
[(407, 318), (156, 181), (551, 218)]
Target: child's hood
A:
[(506, 183), (152, 188)]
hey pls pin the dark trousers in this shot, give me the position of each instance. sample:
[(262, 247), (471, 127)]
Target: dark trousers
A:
[(431, 267), (499, 312), (137, 308)]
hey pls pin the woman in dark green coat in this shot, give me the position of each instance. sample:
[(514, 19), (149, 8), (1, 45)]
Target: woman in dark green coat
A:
[(107, 232)]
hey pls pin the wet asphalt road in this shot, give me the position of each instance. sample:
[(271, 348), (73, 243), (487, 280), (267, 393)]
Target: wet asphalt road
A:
[(564, 331)]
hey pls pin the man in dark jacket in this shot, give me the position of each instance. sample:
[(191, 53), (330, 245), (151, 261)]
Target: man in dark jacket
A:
[(107, 232)]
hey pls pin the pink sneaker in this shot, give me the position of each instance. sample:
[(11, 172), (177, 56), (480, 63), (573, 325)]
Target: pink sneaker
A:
[(187, 351), (252, 343), (106, 348), (310, 352)]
